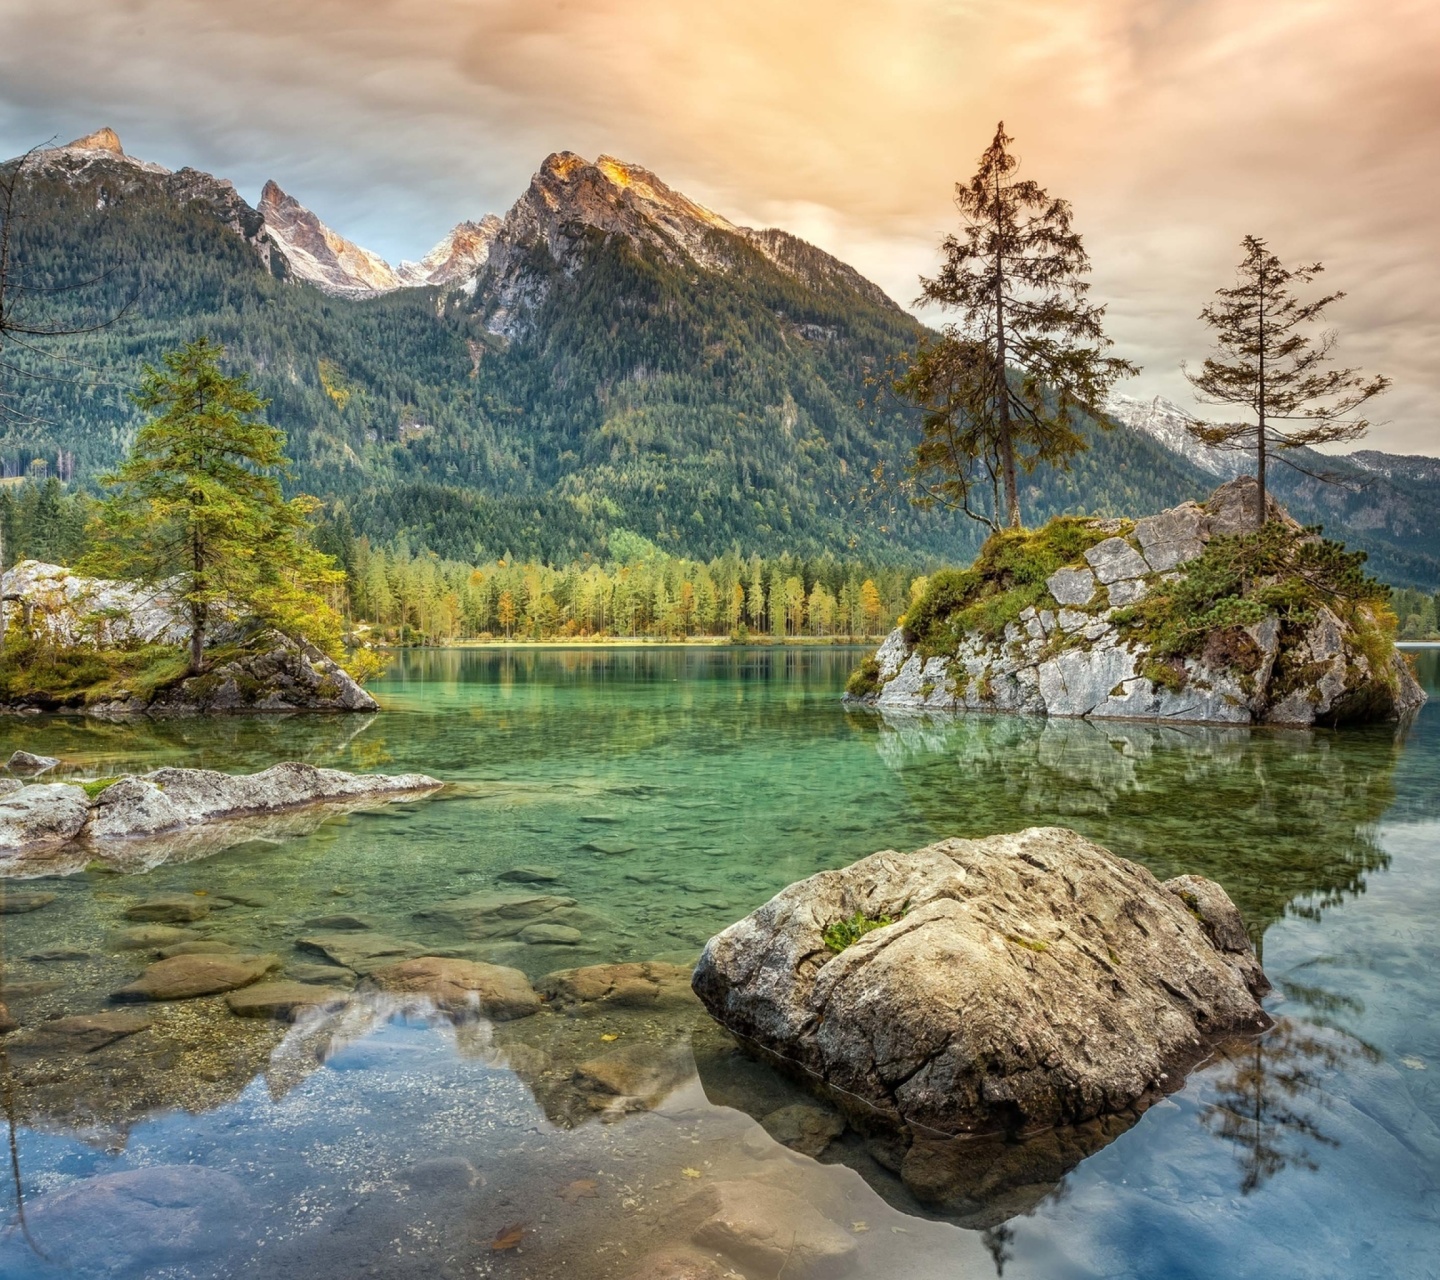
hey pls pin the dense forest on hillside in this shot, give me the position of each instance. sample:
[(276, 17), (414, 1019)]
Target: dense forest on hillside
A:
[(707, 410)]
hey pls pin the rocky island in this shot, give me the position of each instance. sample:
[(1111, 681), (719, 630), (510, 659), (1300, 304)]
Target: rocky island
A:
[(103, 648), (1189, 615)]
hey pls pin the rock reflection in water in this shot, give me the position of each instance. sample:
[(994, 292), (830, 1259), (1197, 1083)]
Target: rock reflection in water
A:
[(1284, 820)]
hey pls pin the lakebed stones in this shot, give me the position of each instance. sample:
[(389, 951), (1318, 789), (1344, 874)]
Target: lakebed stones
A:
[(639, 986), (44, 817), (460, 987), (131, 1223), (1085, 658), (768, 1228), (15, 902), (361, 952), (184, 977), (178, 909), (284, 1001), (1035, 980), (80, 1033), (489, 916), (529, 875)]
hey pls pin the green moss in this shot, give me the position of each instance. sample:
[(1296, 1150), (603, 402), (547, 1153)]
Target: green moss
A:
[(843, 933), (95, 787), (1244, 578), (1164, 675), (864, 680), (1007, 578), (1030, 944)]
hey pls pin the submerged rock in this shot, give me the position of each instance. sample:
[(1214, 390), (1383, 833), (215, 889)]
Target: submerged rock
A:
[(596, 988), (283, 1001), (770, 1229), (14, 902), (1081, 651), (44, 817), (459, 987), (27, 762), (184, 977), (179, 909), (1029, 981), (80, 1033), (132, 1223), (360, 952), (497, 915)]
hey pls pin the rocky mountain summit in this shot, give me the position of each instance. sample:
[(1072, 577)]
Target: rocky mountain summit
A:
[(997, 986), (319, 255), (1187, 615)]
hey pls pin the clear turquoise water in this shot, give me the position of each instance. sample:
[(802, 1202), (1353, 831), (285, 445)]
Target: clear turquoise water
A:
[(709, 779)]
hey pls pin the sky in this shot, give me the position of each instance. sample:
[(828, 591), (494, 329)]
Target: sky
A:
[(1174, 127)]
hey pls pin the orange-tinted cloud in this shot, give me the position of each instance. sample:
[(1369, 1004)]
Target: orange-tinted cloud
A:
[(1174, 126)]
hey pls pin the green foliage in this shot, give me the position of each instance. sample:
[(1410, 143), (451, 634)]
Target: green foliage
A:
[(844, 933), (1417, 614), (700, 413), (42, 673), (1007, 577), (42, 521), (864, 680), (197, 505), (1243, 578), (97, 785)]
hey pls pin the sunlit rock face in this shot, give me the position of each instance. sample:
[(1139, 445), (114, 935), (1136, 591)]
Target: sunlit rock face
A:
[(1022, 982), (319, 255)]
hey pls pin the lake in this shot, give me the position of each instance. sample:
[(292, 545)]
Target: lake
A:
[(668, 791)]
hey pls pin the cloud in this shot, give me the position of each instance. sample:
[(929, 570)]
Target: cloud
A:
[(1173, 126)]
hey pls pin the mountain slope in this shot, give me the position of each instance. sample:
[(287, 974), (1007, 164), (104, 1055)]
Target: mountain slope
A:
[(608, 355), (1382, 503)]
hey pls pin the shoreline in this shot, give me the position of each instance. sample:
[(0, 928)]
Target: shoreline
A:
[(640, 642)]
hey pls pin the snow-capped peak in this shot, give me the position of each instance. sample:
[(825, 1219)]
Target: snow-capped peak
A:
[(105, 139), (1165, 421), (456, 258), (322, 256)]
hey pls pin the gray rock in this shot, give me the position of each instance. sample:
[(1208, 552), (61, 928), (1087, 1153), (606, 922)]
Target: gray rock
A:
[(1233, 508), (1035, 980), (27, 762), (461, 987), (443, 1173), (1115, 559), (680, 1264), (169, 800), (185, 977), (1071, 586), (642, 1074), (1127, 591), (179, 909), (8, 786), (768, 1228), (1173, 537), (41, 816)]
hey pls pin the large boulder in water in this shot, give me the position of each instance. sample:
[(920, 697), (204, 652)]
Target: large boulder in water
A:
[(1028, 981)]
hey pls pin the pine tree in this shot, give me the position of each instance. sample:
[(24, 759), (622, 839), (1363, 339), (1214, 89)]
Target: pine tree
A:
[(197, 507), (1268, 364), (1002, 389)]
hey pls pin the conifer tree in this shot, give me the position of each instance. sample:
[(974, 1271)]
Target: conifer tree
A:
[(197, 508), (1001, 389), (1267, 363)]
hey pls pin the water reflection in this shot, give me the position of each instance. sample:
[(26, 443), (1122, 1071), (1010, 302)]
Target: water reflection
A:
[(1286, 821)]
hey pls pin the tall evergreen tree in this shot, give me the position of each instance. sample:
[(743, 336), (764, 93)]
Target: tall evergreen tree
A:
[(197, 507), (1003, 388), (1267, 363)]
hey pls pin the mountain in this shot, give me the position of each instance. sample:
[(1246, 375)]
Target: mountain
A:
[(1382, 503), (606, 355)]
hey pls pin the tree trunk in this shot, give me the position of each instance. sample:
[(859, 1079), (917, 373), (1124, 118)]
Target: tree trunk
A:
[(1260, 407), (1005, 442), (197, 642)]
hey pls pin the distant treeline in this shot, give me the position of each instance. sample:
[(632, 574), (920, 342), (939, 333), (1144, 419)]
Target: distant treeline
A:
[(411, 596), (637, 592)]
